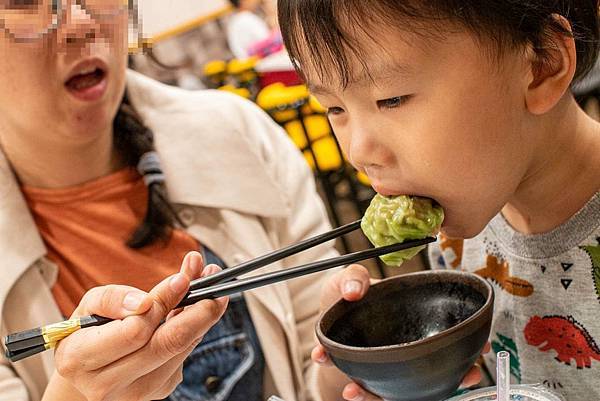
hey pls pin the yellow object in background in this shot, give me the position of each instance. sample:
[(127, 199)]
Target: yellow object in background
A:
[(243, 92), (278, 100), (363, 178), (317, 127), (214, 67), (215, 71), (315, 105), (327, 154), (288, 105), (243, 69)]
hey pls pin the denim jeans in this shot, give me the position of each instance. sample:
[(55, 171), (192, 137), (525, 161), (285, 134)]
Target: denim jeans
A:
[(228, 364)]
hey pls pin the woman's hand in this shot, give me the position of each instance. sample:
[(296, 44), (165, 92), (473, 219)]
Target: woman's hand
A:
[(352, 284), (133, 358)]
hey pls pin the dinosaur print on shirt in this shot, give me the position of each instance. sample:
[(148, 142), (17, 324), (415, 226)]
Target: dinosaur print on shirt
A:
[(453, 249), (498, 272), (594, 252), (566, 336)]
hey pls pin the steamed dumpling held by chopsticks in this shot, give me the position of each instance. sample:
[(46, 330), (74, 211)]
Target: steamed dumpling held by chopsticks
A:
[(394, 219)]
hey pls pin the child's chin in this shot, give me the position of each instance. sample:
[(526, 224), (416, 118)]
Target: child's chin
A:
[(459, 231)]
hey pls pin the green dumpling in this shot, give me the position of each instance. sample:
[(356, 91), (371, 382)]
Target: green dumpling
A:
[(394, 219)]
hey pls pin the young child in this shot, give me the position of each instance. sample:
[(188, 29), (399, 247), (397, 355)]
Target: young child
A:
[(469, 103)]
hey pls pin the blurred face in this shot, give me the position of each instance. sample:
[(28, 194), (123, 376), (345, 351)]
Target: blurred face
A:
[(436, 118), (250, 4), (66, 83)]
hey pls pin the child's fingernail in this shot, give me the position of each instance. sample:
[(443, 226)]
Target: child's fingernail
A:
[(178, 283), (352, 287), (133, 300), (322, 359), (358, 397)]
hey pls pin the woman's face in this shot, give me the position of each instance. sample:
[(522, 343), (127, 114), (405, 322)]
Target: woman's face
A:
[(67, 84)]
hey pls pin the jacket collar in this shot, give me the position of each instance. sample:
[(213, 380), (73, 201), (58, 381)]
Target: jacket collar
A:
[(20, 242), (190, 141)]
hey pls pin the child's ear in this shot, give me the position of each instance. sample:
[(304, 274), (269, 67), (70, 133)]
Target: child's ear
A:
[(552, 73)]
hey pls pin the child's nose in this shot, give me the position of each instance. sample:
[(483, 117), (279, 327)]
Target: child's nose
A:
[(363, 148)]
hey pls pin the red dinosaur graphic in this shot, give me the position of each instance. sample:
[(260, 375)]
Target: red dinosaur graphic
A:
[(564, 335), (498, 272), (457, 247)]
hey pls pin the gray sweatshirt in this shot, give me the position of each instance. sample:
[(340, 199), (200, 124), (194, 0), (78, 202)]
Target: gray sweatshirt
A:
[(547, 308)]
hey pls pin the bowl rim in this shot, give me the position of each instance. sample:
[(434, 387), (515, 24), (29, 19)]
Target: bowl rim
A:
[(411, 349)]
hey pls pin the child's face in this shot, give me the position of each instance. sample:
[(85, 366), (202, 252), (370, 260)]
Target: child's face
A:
[(439, 119)]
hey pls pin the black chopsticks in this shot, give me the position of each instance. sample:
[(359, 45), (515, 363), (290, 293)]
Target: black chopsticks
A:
[(30, 342), (261, 261), (235, 286)]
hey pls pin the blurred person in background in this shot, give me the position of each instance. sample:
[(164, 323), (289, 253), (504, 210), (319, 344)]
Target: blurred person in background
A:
[(108, 179), (245, 27)]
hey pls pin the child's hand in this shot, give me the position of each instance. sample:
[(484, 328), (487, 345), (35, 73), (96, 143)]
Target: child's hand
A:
[(352, 284), (134, 356)]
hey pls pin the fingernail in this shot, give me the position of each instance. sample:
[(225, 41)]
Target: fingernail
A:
[(133, 300), (358, 397), (352, 287), (178, 283), (196, 265), (322, 359), (210, 270)]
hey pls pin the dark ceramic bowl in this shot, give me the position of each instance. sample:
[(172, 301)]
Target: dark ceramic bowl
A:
[(413, 337)]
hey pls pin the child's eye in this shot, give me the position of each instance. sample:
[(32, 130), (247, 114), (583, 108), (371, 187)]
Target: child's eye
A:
[(392, 102), (333, 111)]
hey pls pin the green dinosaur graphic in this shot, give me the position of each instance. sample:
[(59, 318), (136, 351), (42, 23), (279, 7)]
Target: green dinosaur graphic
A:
[(594, 252), (507, 344)]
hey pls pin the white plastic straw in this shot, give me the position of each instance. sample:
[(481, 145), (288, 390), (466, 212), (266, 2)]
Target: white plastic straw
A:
[(503, 376)]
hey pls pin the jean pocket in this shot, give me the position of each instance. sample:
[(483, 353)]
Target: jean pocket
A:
[(213, 368)]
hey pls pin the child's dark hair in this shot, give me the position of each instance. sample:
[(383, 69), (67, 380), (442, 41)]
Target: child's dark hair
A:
[(133, 139), (324, 29)]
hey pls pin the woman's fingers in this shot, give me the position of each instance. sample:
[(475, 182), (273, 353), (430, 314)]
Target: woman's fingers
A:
[(165, 378), (106, 360), (172, 338), (119, 338), (353, 392), (192, 265), (114, 302), (115, 339), (351, 284)]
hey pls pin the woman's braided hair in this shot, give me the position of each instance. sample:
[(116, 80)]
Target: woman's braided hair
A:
[(135, 144)]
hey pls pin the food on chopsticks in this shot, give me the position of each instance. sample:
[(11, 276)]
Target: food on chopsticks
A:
[(395, 219)]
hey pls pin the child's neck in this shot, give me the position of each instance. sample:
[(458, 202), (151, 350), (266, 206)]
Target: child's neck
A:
[(564, 175)]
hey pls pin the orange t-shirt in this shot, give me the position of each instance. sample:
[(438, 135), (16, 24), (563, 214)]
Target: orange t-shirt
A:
[(86, 228)]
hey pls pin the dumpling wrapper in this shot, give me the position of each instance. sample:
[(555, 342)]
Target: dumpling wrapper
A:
[(394, 219)]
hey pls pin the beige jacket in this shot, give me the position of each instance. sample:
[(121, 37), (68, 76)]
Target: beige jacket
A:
[(242, 189)]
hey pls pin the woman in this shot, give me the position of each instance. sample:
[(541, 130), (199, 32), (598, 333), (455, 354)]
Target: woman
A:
[(87, 153)]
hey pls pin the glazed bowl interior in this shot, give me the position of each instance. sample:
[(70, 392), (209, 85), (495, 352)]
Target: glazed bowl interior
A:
[(412, 337), (406, 315)]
